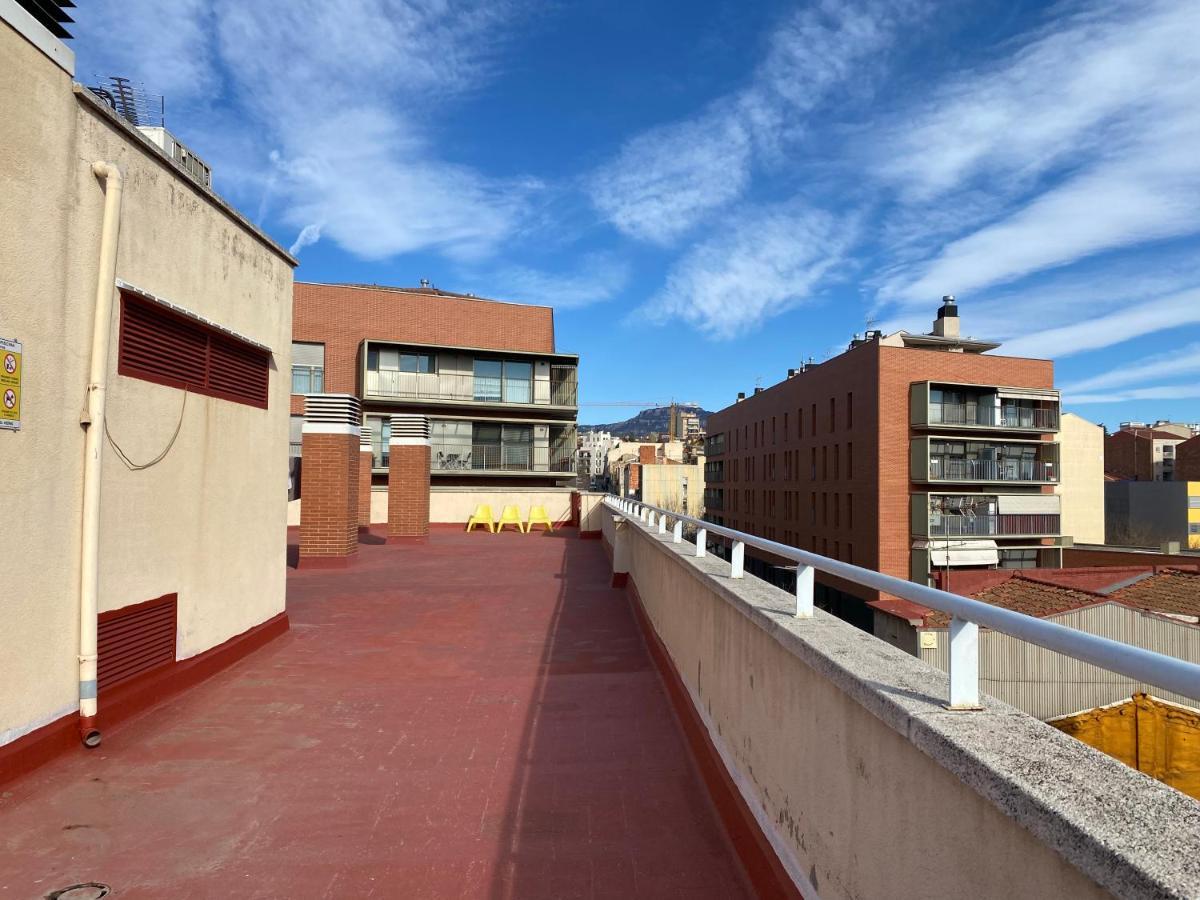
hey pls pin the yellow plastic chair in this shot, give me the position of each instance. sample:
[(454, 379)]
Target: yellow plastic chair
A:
[(510, 515), (538, 516), (482, 516)]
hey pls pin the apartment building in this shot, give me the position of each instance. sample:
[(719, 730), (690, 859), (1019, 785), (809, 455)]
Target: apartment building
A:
[(594, 447), (684, 424), (905, 453), (1143, 453), (502, 400), (144, 327)]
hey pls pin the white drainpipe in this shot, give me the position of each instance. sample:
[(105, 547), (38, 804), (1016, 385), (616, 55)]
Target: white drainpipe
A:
[(93, 424)]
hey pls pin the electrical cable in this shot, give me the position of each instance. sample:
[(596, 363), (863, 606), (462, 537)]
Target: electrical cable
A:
[(137, 467)]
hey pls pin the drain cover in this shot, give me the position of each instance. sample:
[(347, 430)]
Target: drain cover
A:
[(90, 890)]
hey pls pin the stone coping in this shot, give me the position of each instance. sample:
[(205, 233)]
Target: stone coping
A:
[(1129, 833)]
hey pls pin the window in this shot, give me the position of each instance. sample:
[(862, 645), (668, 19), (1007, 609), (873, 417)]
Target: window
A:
[(800, 421), (165, 347), (850, 410), (812, 420), (391, 359), (813, 472), (837, 457), (849, 510), (849, 460), (832, 415), (308, 368), (489, 380)]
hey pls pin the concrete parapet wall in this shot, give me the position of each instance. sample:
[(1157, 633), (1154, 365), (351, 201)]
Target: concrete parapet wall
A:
[(866, 786)]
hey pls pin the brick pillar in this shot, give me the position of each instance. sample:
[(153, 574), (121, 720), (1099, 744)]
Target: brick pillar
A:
[(408, 479), (366, 460), (329, 492)]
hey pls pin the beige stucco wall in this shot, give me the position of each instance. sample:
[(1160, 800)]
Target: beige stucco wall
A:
[(867, 787), (662, 485), (208, 521), (1082, 479)]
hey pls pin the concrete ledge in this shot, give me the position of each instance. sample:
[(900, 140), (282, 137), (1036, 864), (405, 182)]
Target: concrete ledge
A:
[(842, 797)]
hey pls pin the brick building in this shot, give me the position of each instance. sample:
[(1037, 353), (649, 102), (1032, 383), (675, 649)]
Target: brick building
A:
[(502, 401), (903, 454), (1138, 453)]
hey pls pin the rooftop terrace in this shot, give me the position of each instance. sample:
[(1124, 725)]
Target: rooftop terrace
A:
[(476, 717)]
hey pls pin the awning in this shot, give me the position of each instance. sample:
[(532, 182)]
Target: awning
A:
[(963, 553), (1029, 504), (1007, 394)]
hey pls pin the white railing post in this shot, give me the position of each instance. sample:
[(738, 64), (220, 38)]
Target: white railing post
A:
[(964, 664), (702, 542), (662, 523), (652, 518), (804, 591), (677, 532), (737, 559)]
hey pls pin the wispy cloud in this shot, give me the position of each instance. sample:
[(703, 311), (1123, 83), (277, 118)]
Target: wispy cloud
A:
[(1159, 392), (665, 181), (1179, 363), (1080, 142), (1091, 333), (762, 263), (336, 95), (599, 278)]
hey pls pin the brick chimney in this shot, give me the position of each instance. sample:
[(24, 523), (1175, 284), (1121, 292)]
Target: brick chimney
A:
[(647, 454), (408, 479), (329, 494)]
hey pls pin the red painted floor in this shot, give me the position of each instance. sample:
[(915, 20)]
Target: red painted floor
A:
[(477, 717)]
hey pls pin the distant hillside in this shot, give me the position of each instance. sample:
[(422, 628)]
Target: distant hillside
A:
[(647, 422)]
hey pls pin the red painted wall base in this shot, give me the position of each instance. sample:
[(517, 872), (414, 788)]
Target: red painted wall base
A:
[(326, 562), (28, 752), (765, 871)]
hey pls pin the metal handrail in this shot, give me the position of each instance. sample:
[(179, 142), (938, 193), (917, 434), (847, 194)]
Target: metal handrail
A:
[(966, 614)]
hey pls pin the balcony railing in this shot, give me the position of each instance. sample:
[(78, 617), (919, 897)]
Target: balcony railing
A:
[(504, 457), (987, 415), (1005, 525), (966, 614), (954, 468), (470, 388)]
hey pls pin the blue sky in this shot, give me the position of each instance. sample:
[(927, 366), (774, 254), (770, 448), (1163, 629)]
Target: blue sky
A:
[(710, 193)]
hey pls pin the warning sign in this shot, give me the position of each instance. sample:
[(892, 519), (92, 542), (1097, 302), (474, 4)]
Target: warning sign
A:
[(10, 384)]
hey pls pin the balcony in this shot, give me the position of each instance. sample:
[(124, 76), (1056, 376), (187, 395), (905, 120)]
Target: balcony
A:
[(964, 461), (393, 373), (986, 515), (501, 459), (970, 407)]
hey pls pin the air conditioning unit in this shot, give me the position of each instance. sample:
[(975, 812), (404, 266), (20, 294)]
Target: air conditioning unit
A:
[(198, 169)]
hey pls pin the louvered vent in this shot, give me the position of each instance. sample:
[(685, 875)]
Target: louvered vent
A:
[(162, 346), (364, 440), (332, 409), (409, 429), (136, 639)]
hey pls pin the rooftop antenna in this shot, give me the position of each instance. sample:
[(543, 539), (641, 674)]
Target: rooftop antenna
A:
[(131, 102)]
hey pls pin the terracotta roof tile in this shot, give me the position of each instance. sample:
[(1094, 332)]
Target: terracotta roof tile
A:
[(1174, 592)]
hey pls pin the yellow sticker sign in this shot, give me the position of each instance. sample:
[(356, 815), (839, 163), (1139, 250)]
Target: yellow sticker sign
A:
[(10, 384)]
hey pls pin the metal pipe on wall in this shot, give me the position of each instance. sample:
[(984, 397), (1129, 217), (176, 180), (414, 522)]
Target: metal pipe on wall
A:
[(92, 421)]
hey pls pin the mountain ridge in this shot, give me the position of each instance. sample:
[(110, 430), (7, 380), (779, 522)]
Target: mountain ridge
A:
[(647, 422)]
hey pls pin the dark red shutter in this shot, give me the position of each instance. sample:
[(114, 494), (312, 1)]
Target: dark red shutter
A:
[(135, 639), (159, 345)]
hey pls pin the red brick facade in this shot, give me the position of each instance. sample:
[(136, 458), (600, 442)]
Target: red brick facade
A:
[(341, 316), (329, 513), (820, 461), (1187, 460), (1129, 456), (408, 492)]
